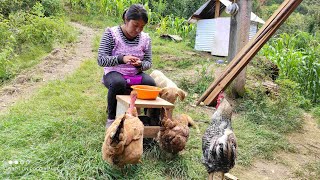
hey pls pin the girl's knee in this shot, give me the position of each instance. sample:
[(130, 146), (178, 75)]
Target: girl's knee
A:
[(119, 83)]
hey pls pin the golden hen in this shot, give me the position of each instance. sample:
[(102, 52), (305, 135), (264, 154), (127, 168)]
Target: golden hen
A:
[(123, 143)]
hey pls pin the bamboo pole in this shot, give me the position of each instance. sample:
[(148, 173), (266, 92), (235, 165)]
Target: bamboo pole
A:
[(272, 24)]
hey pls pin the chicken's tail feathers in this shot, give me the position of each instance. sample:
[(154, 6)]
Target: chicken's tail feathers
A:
[(193, 124), (115, 137), (166, 114)]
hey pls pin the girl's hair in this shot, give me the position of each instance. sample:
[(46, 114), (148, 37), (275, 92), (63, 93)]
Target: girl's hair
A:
[(135, 12)]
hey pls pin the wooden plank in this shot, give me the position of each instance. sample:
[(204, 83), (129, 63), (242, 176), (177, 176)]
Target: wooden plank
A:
[(237, 57), (157, 103), (261, 40), (229, 176), (229, 67), (121, 109), (217, 9), (151, 131)]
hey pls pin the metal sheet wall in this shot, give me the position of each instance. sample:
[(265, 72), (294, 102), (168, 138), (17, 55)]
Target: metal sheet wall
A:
[(205, 35)]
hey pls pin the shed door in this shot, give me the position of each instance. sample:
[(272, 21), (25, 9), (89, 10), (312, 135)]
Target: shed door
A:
[(221, 36)]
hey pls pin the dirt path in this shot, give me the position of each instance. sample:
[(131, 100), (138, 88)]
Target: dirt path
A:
[(290, 165), (57, 65)]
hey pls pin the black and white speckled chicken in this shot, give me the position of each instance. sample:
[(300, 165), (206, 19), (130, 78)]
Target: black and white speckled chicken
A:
[(219, 144)]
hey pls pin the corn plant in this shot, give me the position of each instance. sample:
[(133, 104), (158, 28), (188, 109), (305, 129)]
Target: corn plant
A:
[(114, 7), (297, 57), (175, 25)]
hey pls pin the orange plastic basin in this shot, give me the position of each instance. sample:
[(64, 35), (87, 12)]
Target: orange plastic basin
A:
[(146, 92)]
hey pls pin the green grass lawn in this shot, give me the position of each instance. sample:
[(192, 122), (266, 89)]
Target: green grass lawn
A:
[(58, 133)]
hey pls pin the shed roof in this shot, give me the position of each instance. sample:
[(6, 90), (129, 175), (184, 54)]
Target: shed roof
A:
[(207, 11)]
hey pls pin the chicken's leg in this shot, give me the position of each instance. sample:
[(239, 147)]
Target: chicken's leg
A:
[(210, 176), (222, 175)]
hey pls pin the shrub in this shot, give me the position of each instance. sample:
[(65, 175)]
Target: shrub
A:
[(7, 44), (40, 30), (11, 6), (52, 7)]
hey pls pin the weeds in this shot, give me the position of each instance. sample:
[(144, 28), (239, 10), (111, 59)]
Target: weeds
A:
[(202, 80), (316, 113), (309, 171), (280, 115), (166, 23)]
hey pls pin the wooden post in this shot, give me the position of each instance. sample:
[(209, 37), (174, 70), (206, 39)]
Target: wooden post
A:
[(239, 37), (217, 10)]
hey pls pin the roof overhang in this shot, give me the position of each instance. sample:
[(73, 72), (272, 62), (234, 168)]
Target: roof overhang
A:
[(207, 11)]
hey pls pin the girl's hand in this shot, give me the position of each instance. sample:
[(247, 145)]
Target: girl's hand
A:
[(136, 63), (130, 59)]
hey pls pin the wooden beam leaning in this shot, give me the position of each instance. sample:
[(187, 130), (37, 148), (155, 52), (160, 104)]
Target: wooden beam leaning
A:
[(249, 53), (244, 60), (246, 53), (230, 65)]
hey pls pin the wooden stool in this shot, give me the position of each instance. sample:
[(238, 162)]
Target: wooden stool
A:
[(123, 105)]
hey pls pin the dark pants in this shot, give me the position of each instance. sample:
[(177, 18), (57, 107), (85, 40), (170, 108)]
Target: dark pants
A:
[(118, 86)]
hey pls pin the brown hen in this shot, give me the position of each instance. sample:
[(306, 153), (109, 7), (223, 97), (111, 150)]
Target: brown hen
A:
[(123, 142), (174, 134)]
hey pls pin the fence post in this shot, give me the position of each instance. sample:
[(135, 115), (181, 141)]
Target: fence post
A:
[(239, 37)]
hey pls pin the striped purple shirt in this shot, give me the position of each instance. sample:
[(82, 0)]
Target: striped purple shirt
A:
[(106, 52)]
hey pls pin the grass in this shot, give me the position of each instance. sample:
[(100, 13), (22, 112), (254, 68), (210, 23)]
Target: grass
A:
[(309, 171), (59, 132), (316, 114), (28, 58), (97, 21), (257, 142)]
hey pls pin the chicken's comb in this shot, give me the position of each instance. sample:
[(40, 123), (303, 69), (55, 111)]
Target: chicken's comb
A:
[(133, 92), (220, 96)]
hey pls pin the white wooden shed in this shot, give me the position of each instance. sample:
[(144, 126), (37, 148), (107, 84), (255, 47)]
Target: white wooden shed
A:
[(212, 34)]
